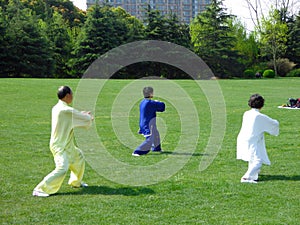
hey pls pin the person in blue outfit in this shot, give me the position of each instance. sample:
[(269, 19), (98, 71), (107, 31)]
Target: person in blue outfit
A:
[(148, 128)]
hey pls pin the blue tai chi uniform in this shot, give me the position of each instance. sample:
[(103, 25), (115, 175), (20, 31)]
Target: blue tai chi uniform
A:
[(148, 109)]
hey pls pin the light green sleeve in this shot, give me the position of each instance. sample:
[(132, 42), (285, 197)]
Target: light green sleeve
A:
[(81, 119)]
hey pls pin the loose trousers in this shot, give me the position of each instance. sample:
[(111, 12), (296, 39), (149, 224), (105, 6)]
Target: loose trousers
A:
[(70, 159), (152, 142), (253, 169)]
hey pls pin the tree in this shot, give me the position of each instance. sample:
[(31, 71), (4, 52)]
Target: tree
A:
[(154, 24), (28, 51), (293, 40), (59, 35), (257, 9), (102, 31), (3, 4), (176, 32), (273, 37), (166, 28), (71, 14), (246, 44), (136, 29), (256, 12), (213, 41), (38, 8), (163, 28), (3, 42)]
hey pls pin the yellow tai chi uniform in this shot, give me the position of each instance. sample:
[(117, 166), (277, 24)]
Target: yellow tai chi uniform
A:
[(65, 152)]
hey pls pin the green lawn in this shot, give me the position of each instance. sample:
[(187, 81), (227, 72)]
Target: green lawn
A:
[(213, 196)]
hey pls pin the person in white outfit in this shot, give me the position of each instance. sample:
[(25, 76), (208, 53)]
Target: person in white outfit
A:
[(250, 141)]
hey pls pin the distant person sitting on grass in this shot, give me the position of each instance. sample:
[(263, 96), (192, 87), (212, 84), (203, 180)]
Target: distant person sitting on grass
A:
[(148, 109), (258, 75), (65, 152), (250, 141)]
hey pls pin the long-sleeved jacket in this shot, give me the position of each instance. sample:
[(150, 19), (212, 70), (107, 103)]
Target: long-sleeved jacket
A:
[(148, 109), (64, 120), (250, 141)]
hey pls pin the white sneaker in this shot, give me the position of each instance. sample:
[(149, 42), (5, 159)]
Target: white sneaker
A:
[(245, 180), (39, 194), (135, 154), (84, 185)]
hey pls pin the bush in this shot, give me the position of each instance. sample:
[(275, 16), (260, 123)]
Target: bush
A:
[(249, 73), (284, 66), (269, 74), (294, 73), (260, 71), (260, 67)]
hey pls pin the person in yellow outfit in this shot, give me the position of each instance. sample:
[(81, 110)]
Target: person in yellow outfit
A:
[(65, 152)]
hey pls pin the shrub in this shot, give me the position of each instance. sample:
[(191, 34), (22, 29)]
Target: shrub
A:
[(294, 73), (260, 67), (269, 74), (249, 73), (283, 66), (260, 71)]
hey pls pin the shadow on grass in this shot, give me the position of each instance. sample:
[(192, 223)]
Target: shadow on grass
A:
[(278, 177), (182, 153), (104, 190)]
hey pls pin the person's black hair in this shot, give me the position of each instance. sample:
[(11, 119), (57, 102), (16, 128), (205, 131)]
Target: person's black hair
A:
[(63, 91), (147, 92), (256, 101)]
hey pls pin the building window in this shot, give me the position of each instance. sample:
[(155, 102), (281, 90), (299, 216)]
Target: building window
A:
[(185, 9)]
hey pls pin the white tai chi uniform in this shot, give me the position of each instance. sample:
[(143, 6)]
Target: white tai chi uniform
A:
[(251, 143), (65, 152)]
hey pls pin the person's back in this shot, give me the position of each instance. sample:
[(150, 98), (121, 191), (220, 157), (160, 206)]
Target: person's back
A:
[(64, 119), (148, 109), (250, 140), (256, 123), (147, 123), (67, 156), (60, 126)]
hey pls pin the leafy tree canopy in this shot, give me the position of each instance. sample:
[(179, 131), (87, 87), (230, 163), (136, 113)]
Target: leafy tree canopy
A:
[(213, 40)]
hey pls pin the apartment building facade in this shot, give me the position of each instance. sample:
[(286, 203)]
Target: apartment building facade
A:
[(186, 10)]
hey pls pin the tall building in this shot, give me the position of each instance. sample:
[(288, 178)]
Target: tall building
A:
[(186, 10)]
